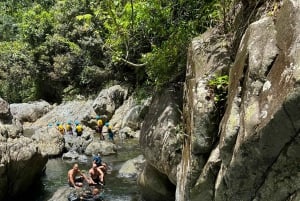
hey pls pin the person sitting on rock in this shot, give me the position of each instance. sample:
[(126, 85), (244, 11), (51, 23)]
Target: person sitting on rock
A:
[(69, 129), (60, 128), (99, 127), (78, 128), (76, 178), (96, 175)]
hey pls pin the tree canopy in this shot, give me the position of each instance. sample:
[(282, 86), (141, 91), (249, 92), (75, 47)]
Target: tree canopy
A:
[(51, 49)]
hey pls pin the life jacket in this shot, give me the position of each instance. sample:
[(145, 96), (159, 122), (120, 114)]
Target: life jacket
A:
[(61, 129), (100, 122), (68, 127), (79, 128)]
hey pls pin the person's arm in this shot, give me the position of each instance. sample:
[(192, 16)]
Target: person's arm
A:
[(91, 176), (71, 179), (85, 178)]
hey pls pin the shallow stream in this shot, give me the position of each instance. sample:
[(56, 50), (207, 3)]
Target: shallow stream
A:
[(116, 188)]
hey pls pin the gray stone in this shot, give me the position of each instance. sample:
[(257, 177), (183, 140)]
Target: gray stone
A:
[(109, 100), (103, 147), (21, 164), (5, 114), (155, 186), (132, 168), (161, 137), (30, 112)]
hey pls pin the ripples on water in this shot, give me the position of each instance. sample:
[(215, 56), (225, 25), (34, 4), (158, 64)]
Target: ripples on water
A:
[(116, 188)]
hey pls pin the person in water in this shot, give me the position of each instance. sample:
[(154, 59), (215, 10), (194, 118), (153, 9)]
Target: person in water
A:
[(100, 164), (76, 177), (96, 174), (94, 195)]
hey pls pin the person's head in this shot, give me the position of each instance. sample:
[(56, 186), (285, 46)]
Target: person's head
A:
[(97, 117), (69, 122), (96, 191), (57, 123), (94, 166), (75, 167), (76, 122)]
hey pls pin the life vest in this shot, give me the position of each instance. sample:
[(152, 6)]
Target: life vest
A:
[(79, 128), (61, 129), (100, 122), (68, 127)]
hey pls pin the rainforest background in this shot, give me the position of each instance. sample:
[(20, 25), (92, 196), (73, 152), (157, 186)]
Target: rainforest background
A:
[(58, 49)]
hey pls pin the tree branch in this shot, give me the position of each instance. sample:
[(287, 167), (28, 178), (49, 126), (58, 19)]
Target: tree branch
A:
[(132, 64)]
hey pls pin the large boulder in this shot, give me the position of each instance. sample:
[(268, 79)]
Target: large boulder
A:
[(161, 137), (21, 163), (79, 144), (133, 167), (255, 157), (132, 118), (109, 100), (155, 186), (81, 111), (5, 114), (208, 59), (30, 112), (49, 141), (117, 119), (260, 126), (104, 148)]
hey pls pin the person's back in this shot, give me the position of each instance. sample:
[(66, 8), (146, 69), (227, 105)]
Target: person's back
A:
[(78, 129), (99, 127), (69, 129), (60, 128), (110, 134)]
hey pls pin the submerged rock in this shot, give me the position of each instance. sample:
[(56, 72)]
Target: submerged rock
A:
[(132, 168)]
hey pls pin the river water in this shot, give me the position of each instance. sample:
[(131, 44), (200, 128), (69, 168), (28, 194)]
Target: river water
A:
[(116, 188)]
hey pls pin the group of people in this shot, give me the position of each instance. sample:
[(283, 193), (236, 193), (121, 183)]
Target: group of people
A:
[(99, 129), (95, 179), (68, 128)]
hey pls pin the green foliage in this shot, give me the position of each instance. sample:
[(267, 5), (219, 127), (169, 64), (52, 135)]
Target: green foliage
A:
[(17, 72), (142, 92), (36, 24), (80, 43), (219, 87)]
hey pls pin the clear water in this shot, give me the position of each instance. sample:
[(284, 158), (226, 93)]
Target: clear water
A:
[(116, 188)]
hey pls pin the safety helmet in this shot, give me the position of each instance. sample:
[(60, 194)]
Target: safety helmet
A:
[(97, 117)]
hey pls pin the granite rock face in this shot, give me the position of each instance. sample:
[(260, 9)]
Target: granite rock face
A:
[(255, 146), (161, 141), (21, 161)]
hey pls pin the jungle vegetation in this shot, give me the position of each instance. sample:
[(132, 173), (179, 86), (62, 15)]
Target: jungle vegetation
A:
[(54, 49)]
